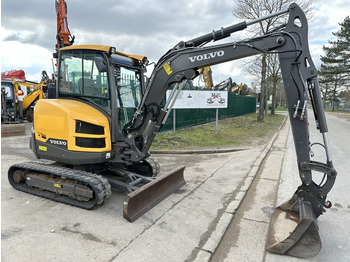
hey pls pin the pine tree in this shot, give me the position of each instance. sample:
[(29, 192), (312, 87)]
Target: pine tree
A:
[(343, 40), (335, 67)]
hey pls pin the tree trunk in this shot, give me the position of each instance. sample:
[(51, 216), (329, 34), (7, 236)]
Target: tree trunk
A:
[(273, 102), (262, 89), (333, 100)]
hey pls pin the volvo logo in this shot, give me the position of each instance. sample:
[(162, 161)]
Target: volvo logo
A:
[(206, 56), (58, 142)]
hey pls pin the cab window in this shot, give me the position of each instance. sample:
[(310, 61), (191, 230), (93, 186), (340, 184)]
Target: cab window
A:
[(83, 74), (128, 91)]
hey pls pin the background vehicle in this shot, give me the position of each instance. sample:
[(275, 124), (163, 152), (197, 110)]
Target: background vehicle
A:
[(9, 101), (105, 118), (10, 98), (206, 73), (18, 74), (11, 109), (35, 91), (19, 98)]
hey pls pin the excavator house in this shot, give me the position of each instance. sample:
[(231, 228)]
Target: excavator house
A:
[(99, 129)]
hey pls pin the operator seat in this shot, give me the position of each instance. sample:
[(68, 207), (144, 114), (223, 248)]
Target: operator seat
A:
[(88, 87)]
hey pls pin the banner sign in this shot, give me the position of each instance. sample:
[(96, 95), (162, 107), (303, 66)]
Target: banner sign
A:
[(200, 99)]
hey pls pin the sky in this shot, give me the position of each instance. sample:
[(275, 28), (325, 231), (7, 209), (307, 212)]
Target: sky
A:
[(143, 27)]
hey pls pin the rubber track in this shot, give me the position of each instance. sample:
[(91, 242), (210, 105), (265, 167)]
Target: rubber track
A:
[(154, 164), (98, 184)]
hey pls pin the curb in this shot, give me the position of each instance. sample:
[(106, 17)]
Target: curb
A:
[(206, 251), (205, 151), (214, 151)]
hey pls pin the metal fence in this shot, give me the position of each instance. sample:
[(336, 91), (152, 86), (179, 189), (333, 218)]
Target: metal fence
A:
[(237, 106)]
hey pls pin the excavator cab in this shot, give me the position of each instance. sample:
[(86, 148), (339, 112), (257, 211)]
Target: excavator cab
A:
[(83, 74), (9, 92), (98, 92), (8, 102)]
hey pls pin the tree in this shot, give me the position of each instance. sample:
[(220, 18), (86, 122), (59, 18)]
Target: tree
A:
[(335, 67), (274, 74), (324, 87), (280, 94), (245, 90), (252, 9), (343, 40), (345, 96)]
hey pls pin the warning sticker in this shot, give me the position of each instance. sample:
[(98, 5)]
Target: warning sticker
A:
[(42, 148), (57, 185), (168, 69)]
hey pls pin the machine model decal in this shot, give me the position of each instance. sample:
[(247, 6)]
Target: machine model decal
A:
[(206, 56)]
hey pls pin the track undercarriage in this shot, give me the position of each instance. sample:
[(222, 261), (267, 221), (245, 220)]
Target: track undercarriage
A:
[(89, 190)]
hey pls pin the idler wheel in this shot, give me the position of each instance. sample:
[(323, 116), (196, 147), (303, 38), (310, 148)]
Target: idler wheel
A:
[(18, 176)]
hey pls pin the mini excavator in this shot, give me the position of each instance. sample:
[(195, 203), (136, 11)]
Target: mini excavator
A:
[(37, 91), (101, 126)]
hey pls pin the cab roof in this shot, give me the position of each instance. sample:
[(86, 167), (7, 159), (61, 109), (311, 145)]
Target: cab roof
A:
[(105, 48)]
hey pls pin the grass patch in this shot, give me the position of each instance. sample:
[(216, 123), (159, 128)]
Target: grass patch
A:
[(281, 109), (241, 131)]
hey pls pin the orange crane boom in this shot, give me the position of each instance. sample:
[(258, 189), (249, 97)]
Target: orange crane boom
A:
[(64, 37)]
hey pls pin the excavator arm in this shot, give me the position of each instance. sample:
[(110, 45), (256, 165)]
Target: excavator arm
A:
[(290, 42), (64, 37)]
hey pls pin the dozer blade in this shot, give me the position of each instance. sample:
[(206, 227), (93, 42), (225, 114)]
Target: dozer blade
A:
[(143, 199), (294, 234), (13, 130)]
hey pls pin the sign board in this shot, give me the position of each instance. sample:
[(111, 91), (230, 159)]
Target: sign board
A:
[(200, 99)]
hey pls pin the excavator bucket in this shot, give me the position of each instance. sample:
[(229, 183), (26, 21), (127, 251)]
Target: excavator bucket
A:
[(294, 233), (13, 130), (143, 199)]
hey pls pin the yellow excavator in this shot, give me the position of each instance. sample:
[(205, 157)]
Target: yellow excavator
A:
[(206, 73), (237, 88), (99, 129), (36, 91), (17, 105)]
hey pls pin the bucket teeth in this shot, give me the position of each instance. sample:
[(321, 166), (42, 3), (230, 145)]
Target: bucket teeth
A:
[(294, 233)]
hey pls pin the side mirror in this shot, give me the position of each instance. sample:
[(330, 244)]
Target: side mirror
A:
[(100, 64)]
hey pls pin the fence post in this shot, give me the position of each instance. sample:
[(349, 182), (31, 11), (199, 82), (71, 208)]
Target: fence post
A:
[(217, 121), (174, 121)]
